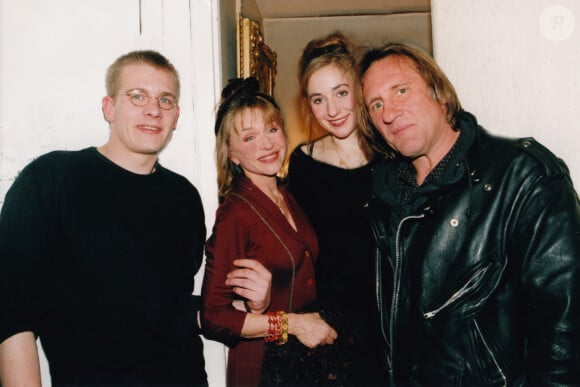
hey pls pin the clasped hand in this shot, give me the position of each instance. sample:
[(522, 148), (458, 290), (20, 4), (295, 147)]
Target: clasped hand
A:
[(251, 281), (310, 329)]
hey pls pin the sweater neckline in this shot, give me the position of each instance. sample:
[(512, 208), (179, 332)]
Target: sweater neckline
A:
[(116, 167)]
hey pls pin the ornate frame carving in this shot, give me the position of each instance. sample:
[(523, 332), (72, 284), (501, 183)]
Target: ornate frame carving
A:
[(255, 58)]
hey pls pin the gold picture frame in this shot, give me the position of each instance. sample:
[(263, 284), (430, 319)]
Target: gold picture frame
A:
[(255, 58)]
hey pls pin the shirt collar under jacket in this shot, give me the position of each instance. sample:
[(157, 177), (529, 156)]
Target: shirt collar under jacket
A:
[(394, 180)]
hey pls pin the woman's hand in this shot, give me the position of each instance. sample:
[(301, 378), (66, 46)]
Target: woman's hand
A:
[(310, 329), (252, 281)]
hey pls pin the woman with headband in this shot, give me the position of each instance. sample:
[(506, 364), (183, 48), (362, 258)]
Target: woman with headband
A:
[(258, 220), (329, 176)]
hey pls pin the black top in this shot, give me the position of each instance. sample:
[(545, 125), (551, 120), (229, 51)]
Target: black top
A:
[(333, 199), (99, 262)]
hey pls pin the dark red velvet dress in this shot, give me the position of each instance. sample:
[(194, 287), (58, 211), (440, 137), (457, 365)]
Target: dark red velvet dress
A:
[(240, 233)]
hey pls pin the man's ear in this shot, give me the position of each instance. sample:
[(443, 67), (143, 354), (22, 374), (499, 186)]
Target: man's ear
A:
[(108, 108)]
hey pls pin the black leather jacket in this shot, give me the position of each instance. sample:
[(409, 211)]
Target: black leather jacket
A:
[(478, 278)]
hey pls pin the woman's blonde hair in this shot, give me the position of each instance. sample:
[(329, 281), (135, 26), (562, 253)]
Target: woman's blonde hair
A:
[(239, 95)]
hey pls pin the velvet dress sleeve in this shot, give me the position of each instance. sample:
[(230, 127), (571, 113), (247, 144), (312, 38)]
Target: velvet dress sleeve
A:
[(219, 319)]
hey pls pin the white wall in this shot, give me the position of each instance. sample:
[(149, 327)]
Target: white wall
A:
[(53, 57), (516, 66)]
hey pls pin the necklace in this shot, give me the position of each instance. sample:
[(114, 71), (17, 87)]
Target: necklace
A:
[(280, 204), (341, 162)]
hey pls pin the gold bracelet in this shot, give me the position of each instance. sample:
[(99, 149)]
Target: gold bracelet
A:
[(283, 339)]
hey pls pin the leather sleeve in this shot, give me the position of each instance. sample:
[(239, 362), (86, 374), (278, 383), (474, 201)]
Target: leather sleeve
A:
[(547, 237)]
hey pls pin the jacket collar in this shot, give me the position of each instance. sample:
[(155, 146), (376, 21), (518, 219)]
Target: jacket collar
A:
[(394, 180)]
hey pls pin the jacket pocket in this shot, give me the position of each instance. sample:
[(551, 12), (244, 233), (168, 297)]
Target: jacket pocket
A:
[(473, 282)]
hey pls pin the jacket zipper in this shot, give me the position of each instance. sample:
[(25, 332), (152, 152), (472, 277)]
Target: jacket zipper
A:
[(379, 295), (379, 290), (395, 297), (490, 353), (473, 281)]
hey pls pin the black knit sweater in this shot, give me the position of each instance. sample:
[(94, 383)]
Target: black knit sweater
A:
[(99, 263)]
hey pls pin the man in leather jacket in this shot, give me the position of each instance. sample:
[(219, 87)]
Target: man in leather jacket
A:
[(479, 239)]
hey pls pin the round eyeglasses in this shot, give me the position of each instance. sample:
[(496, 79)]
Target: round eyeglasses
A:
[(141, 98)]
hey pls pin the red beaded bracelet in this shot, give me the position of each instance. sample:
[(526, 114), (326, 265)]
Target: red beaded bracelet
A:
[(274, 327), (277, 327)]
